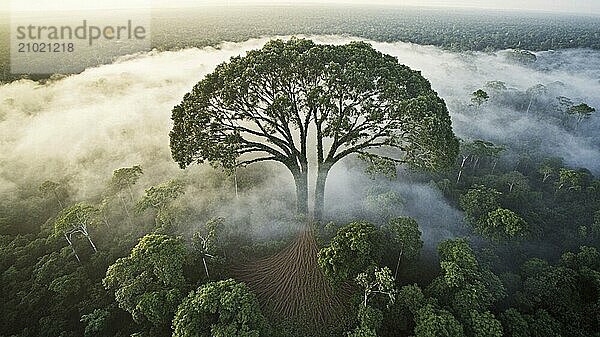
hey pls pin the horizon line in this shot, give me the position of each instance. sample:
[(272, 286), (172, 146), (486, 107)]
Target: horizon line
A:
[(318, 4)]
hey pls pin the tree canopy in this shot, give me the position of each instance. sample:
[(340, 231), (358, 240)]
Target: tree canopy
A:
[(149, 282), (219, 309), (263, 106), (355, 248)]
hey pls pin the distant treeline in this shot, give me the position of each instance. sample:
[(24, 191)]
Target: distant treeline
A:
[(459, 30)]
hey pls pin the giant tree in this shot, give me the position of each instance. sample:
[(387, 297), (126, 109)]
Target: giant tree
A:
[(267, 106)]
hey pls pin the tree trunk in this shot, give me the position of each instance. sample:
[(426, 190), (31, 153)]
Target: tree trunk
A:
[(130, 194), (235, 183), (205, 267), (322, 173), (462, 166), (73, 248), (58, 199), (398, 264), (91, 243), (124, 206), (530, 103), (301, 181)]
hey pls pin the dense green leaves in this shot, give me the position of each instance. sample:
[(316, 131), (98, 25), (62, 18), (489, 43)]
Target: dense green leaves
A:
[(478, 202), (355, 248), (479, 97), (504, 223), (219, 309), (432, 322), (149, 282), (261, 107)]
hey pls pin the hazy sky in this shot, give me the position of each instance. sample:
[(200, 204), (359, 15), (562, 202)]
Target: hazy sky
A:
[(578, 6)]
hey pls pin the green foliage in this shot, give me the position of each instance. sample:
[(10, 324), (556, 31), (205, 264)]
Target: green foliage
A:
[(161, 199), (464, 285), (561, 296), (54, 189), (432, 322), (205, 243), (125, 178), (355, 248), (514, 323), (404, 233), (161, 196), (231, 94), (369, 319), (75, 217), (581, 111), (361, 101), (514, 182), (149, 282), (457, 261), (478, 202), (380, 281), (504, 224), (570, 179), (219, 309), (95, 322), (378, 165), (479, 97), (411, 296), (485, 325)]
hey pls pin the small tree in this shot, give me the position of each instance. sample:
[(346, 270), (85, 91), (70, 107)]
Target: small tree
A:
[(484, 324), (52, 188), (550, 167), (75, 220), (123, 179), (404, 233), (219, 309), (204, 244), (377, 282), (161, 198), (478, 202), (504, 224), (149, 282), (355, 248), (476, 151), (479, 97), (515, 181), (581, 111), (534, 92), (571, 180), (465, 285), (433, 322), (380, 281)]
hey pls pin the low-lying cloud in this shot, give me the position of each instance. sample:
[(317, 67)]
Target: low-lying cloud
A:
[(84, 126)]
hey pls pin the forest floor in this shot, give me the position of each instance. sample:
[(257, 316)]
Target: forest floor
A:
[(291, 285)]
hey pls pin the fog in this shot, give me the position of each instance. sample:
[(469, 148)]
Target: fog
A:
[(84, 126)]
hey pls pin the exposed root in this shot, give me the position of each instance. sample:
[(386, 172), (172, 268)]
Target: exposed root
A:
[(290, 284)]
